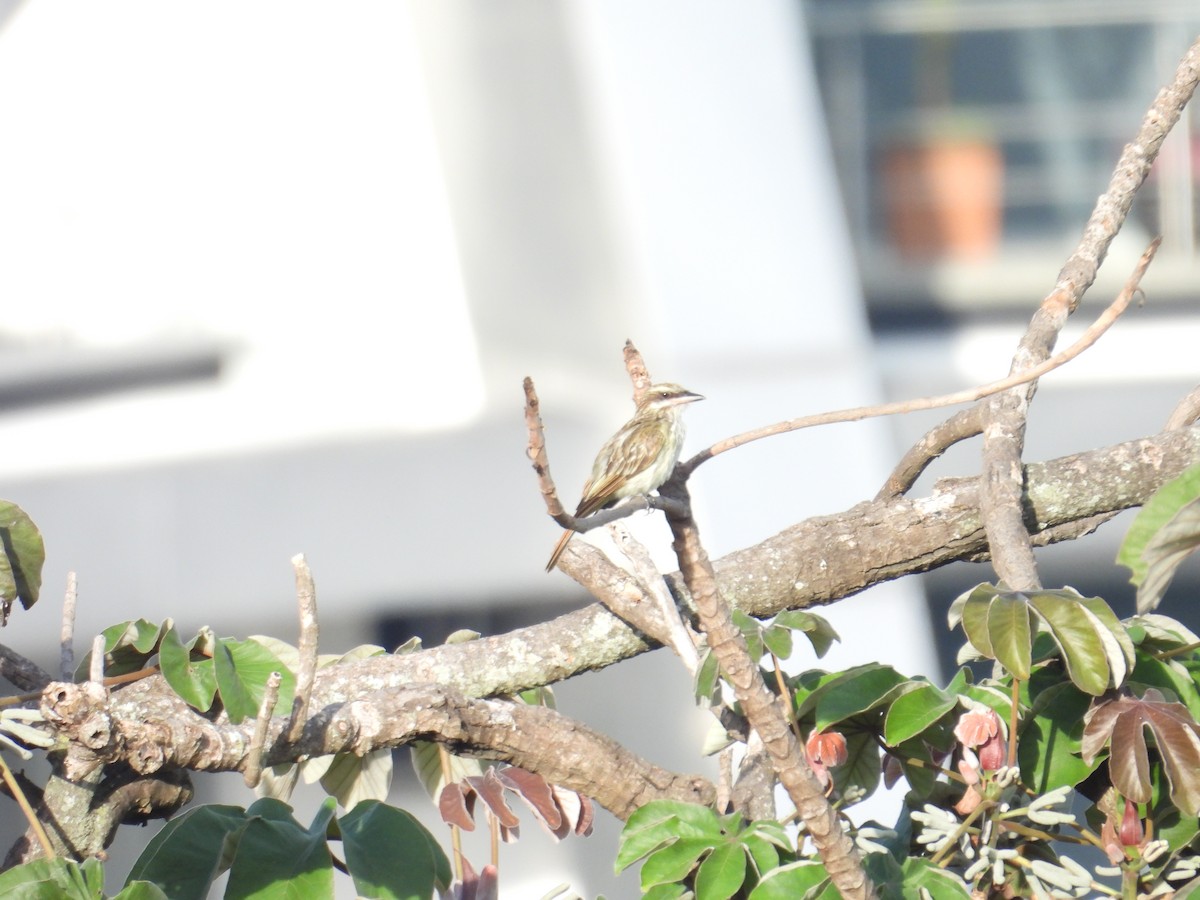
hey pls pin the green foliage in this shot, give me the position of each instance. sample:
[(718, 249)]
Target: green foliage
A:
[(54, 879), (268, 854), (1165, 532), (1091, 643), (682, 843), (22, 558), (202, 671)]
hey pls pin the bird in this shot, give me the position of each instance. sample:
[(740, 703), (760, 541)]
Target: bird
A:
[(638, 458)]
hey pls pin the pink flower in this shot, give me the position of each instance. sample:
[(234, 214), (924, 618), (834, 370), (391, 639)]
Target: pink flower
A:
[(982, 730), (1131, 832), (825, 749), (976, 726)]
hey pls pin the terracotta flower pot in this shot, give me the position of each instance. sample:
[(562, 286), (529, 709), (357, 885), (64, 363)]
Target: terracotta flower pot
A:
[(944, 198)]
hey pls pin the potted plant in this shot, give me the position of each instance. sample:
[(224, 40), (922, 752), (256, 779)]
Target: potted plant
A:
[(943, 173)]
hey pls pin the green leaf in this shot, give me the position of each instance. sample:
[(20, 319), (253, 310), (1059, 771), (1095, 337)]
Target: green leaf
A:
[(194, 681), (921, 874), (1000, 702), (790, 882), (53, 879), (1111, 625), (722, 874), (771, 831), (672, 863), (128, 646), (660, 822), (667, 892), (971, 609), (427, 763), (914, 712), (354, 779), (1163, 533), (855, 691), (818, 630), (242, 669), (390, 855), (751, 630), (862, 769), (778, 641), (190, 851), (1049, 747), (1010, 634), (707, 674), (1074, 629), (142, 890), (764, 853), (23, 557), (278, 859)]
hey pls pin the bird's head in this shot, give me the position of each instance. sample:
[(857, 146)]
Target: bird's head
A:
[(665, 396)]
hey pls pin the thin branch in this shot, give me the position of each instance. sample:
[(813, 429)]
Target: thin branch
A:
[(252, 774), (1103, 322), (636, 368), (1186, 412), (1004, 425), (306, 600), (1002, 499), (96, 668), (761, 708), (536, 451), (964, 424), (622, 593), (24, 673), (1131, 170), (678, 638), (66, 640), (35, 823)]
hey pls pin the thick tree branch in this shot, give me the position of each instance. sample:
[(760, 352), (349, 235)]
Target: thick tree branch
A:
[(814, 562), (103, 730)]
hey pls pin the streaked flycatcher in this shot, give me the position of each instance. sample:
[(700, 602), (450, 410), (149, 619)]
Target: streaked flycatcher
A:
[(638, 458)]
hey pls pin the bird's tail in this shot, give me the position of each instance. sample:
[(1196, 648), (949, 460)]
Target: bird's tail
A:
[(559, 548)]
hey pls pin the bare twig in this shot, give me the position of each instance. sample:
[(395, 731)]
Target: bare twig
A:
[(678, 638), (837, 851), (306, 600), (1002, 497), (1186, 412), (24, 673), (620, 592), (96, 668), (1134, 164), (1103, 322), (35, 824), (252, 774), (536, 451), (966, 423), (1004, 425), (66, 641), (636, 368)]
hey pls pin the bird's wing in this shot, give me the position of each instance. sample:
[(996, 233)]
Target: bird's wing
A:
[(632, 450)]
